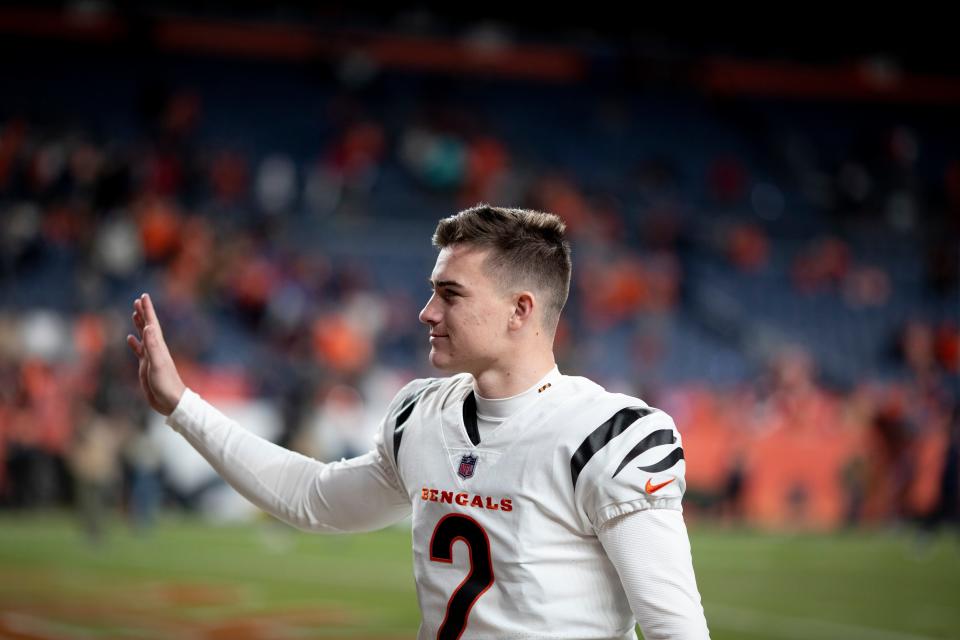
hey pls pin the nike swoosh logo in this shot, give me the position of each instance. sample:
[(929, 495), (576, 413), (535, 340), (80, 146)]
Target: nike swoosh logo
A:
[(653, 488)]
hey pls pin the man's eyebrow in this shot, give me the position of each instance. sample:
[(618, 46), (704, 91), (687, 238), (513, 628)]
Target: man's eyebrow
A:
[(445, 283)]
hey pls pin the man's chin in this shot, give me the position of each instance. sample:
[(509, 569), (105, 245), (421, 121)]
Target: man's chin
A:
[(443, 362)]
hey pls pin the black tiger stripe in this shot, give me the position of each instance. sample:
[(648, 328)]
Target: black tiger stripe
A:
[(656, 438), (408, 405), (603, 434), (470, 418), (672, 458)]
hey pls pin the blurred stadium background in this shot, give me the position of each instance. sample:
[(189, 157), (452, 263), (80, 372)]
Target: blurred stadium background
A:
[(766, 233)]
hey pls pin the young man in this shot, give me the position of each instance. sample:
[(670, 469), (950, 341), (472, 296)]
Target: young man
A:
[(566, 498)]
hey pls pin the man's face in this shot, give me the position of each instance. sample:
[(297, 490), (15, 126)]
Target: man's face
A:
[(467, 313)]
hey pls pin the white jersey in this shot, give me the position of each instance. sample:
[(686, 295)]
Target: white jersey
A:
[(505, 530), (514, 536)]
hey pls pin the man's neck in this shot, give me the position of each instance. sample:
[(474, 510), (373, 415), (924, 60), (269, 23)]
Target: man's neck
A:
[(496, 383)]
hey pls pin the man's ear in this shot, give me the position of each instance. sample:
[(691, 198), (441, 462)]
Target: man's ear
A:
[(524, 305)]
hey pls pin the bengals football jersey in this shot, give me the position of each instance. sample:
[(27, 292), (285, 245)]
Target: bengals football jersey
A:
[(505, 529)]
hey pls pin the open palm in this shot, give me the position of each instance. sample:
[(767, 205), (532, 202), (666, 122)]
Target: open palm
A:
[(158, 374)]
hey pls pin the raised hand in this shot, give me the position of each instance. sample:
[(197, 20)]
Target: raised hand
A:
[(158, 374)]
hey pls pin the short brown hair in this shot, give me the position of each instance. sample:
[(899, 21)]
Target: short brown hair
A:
[(528, 247)]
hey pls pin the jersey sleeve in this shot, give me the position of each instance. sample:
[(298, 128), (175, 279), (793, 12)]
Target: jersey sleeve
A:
[(632, 462), (397, 419), (651, 552), (360, 494)]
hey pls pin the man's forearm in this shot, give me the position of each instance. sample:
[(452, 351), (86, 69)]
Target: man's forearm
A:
[(350, 495)]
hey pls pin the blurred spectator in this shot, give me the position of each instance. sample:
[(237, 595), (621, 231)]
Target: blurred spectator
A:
[(159, 222), (487, 165), (823, 264), (339, 345), (854, 479), (276, 184), (866, 287), (95, 463), (436, 159), (947, 346), (947, 508), (892, 459), (917, 347), (229, 177), (731, 505), (558, 195), (142, 455), (747, 247), (356, 156), (727, 179), (943, 263)]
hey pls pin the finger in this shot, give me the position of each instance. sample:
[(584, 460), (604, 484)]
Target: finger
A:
[(135, 345), (138, 322), (154, 345), (149, 314), (149, 341), (141, 315)]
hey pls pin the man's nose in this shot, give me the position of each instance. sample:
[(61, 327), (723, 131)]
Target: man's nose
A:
[(428, 315)]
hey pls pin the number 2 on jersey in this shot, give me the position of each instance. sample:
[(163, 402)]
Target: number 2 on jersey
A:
[(449, 529)]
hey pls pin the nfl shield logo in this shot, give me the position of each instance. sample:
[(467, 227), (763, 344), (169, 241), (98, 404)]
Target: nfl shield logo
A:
[(468, 464)]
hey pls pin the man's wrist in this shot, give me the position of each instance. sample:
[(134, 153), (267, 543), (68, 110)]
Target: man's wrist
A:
[(175, 399)]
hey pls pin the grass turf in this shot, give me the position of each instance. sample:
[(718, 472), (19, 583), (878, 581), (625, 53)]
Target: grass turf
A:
[(189, 579)]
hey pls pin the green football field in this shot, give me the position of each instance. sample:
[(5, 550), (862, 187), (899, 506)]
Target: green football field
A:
[(190, 580)]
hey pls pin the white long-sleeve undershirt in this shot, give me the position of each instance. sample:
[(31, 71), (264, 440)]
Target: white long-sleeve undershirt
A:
[(337, 497), (650, 549)]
